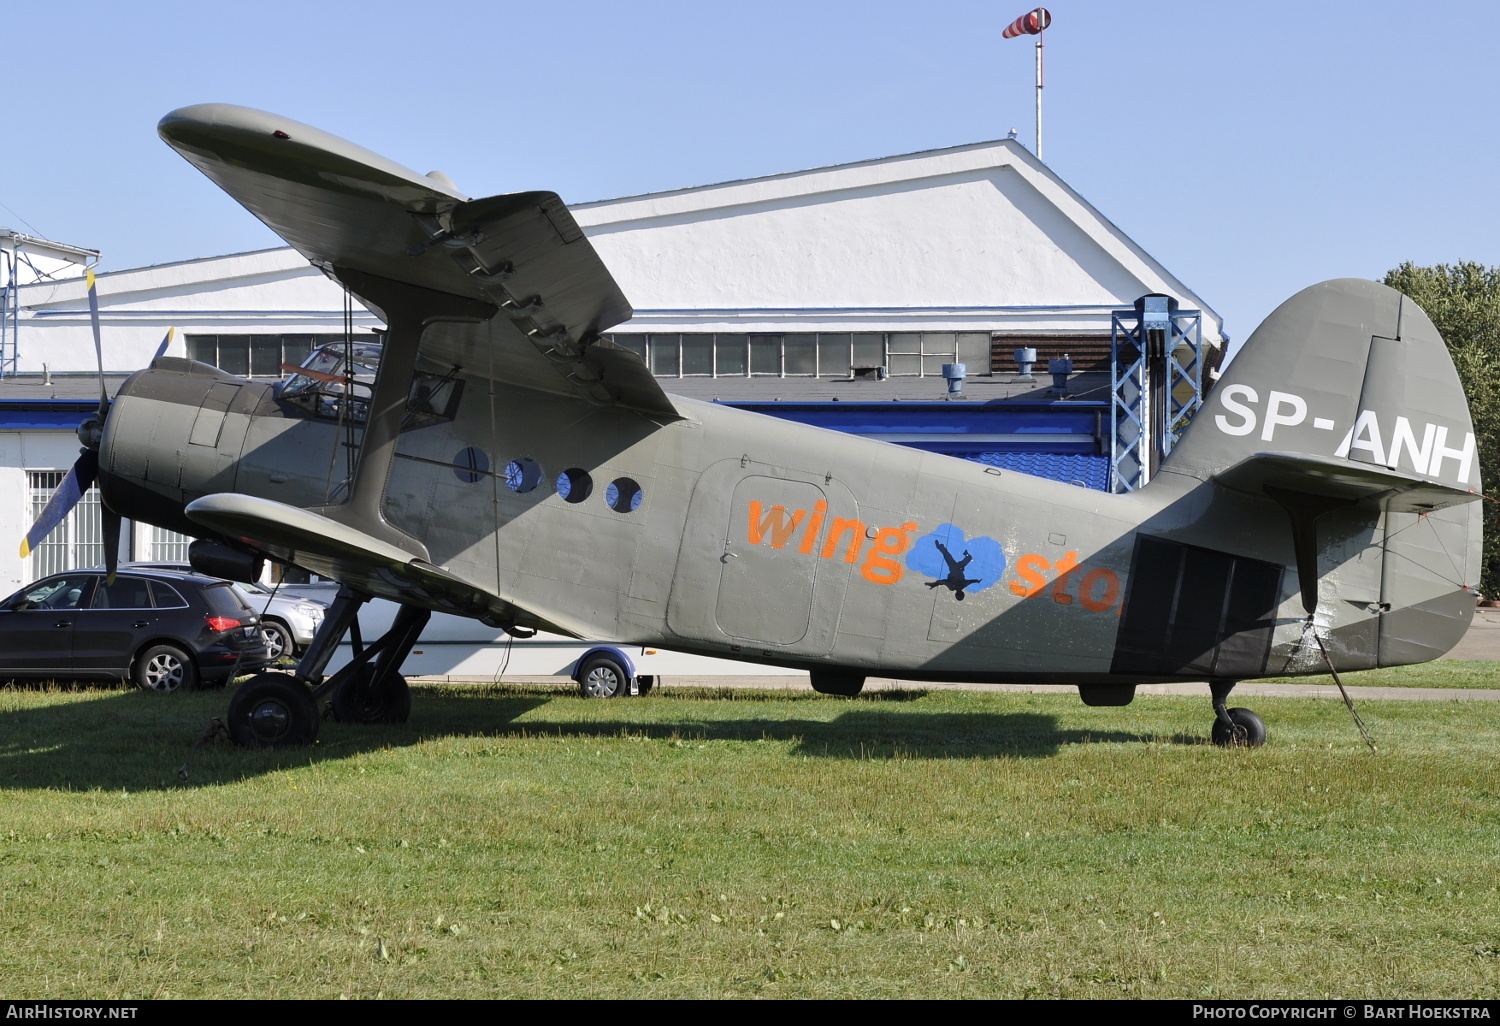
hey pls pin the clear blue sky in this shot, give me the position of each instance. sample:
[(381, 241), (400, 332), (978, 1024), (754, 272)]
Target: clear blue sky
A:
[(1252, 148)]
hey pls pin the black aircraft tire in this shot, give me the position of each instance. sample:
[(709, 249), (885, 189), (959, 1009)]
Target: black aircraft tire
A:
[(602, 676), (360, 701), (845, 685), (1253, 726), (271, 710)]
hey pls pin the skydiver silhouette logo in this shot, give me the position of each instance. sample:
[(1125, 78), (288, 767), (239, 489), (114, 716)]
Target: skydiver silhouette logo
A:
[(955, 579)]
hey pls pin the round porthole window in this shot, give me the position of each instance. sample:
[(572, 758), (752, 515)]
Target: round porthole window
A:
[(471, 465), (522, 475), (574, 485), (623, 495)]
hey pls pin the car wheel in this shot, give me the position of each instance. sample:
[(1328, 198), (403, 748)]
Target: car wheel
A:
[(602, 676), (278, 640), (164, 668), (271, 710)]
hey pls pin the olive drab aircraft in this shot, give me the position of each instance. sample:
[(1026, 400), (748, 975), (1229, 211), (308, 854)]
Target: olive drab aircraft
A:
[(507, 462)]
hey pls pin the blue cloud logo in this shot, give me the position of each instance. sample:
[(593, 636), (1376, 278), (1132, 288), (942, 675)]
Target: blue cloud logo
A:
[(956, 563)]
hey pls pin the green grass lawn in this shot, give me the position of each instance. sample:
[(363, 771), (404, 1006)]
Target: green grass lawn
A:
[(518, 841)]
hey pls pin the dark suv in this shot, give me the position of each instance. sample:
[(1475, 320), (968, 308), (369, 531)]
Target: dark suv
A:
[(160, 629)]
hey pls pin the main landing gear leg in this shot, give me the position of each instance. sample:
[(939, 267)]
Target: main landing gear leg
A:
[(1234, 728)]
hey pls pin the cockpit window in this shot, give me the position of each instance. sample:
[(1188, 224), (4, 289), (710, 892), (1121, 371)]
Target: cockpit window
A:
[(433, 399), (337, 382)]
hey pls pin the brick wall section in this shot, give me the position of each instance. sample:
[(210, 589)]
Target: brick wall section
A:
[(1089, 352)]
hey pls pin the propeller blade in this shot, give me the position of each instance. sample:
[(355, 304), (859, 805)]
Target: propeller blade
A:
[(161, 350), (98, 346), (110, 522), (78, 480)]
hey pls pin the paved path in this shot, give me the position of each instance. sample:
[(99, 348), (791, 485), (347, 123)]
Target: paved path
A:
[(1483, 638), (797, 682)]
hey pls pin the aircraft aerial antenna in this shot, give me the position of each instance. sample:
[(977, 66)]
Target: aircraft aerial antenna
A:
[(1033, 23), (1363, 730), (349, 385)]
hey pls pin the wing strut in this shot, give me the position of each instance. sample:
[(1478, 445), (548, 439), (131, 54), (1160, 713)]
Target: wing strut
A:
[(407, 311)]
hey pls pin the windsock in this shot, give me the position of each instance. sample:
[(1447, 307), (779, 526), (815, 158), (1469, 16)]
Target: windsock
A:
[(1029, 24)]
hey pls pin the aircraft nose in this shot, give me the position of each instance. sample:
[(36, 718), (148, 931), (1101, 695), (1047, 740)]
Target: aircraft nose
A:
[(168, 438)]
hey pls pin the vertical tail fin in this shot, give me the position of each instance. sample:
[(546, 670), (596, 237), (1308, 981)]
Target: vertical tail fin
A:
[(1348, 369)]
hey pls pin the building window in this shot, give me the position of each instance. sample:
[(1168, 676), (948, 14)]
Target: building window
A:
[(76, 542), (809, 354), (168, 546), (259, 356), (731, 355), (765, 355), (666, 355), (697, 355)]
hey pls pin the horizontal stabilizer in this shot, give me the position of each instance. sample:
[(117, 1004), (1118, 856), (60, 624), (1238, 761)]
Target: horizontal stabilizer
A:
[(1336, 478)]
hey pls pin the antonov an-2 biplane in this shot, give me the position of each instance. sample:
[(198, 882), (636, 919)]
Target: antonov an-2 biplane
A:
[(512, 465)]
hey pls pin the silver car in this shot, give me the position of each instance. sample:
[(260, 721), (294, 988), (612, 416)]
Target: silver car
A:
[(287, 621)]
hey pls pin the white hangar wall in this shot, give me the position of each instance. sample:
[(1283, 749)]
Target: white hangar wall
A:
[(270, 292)]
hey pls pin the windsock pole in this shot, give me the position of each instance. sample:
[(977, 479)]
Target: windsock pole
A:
[(1039, 83), (1033, 23)]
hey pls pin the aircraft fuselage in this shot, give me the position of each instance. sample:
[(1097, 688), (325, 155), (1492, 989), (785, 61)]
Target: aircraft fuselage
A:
[(804, 547)]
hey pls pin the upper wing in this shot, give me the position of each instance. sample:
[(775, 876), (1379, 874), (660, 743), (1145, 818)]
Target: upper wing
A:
[(344, 207)]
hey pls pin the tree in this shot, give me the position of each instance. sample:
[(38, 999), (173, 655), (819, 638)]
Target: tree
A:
[(1463, 300)]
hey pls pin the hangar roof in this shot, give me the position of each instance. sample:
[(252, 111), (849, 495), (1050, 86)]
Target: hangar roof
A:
[(942, 239)]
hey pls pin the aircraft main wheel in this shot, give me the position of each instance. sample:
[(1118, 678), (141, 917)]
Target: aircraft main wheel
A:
[(271, 710), (845, 685), (359, 700), (602, 676), (1249, 730), (164, 668)]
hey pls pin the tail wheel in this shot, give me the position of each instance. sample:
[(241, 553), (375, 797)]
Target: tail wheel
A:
[(1244, 730), (360, 700), (271, 710), (602, 676)]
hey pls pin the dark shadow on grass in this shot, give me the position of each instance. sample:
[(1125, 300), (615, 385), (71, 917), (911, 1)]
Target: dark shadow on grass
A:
[(129, 740), (862, 734), (132, 741)]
